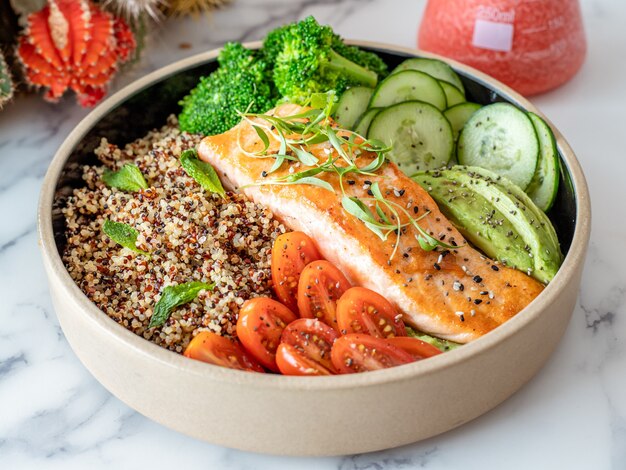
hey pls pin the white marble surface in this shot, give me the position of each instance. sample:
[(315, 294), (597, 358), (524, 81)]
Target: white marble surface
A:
[(54, 414)]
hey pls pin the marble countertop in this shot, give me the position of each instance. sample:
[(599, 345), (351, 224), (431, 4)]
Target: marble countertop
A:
[(54, 414)]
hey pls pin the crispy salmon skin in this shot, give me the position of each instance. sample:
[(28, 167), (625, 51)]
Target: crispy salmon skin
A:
[(456, 294)]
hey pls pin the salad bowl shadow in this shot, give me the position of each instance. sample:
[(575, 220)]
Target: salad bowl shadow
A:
[(302, 415)]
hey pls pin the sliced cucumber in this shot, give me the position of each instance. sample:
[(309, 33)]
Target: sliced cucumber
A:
[(363, 123), (419, 134), (501, 138), (433, 67), (453, 95), (351, 105), (409, 85), (459, 114), (545, 183)]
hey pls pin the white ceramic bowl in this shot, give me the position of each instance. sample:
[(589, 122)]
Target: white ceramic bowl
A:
[(294, 415)]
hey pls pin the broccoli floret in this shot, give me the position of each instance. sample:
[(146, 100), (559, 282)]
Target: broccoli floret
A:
[(369, 60), (305, 62), (243, 81), (273, 44)]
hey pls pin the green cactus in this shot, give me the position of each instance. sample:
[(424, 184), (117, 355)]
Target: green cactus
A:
[(6, 84)]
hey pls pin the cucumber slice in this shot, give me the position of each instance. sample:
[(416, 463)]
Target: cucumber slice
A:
[(363, 123), (433, 67), (409, 85), (351, 105), (502, 139), (545, 183), (459, 114), (453, 95), (419, 134)]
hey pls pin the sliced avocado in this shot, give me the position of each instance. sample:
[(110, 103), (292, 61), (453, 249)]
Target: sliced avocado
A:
[(497, 217), (441, 344)]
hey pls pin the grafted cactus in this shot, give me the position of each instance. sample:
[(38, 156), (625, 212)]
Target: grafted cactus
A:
[(6, 84)]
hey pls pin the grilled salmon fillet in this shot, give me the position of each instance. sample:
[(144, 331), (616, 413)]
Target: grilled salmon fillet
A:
[(456, 294)]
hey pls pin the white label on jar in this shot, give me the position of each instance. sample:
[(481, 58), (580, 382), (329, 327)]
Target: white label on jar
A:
[(493, 35)]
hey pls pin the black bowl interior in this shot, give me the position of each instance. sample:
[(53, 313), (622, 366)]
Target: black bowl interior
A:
[(149, 108)]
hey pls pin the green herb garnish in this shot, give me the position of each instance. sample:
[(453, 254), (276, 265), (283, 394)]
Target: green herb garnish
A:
[(441, 344), (123, 234), (175, 296), (204, 174), (297, 133), (127, 178)]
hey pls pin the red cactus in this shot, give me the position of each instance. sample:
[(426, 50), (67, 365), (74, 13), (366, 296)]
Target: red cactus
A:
[(74, 44)]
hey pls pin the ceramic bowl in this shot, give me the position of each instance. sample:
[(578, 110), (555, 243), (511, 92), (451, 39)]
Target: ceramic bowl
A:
[(295, 415)]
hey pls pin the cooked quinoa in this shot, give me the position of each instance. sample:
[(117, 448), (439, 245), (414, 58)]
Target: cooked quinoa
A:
[(191, 235)]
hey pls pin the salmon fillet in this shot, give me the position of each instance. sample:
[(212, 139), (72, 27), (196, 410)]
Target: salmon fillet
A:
[(456, 294)]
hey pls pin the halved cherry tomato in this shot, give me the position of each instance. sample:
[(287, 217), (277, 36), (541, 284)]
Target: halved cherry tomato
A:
[(259, 327), (362, 310), (215, 349), (320, 287), (307, 348), (360, 353), (291, 362), (291, 252), (415, 347)]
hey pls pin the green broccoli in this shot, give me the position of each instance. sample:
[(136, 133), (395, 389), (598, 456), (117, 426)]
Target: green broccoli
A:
[(242, 82), (369, 60), (306, 62)]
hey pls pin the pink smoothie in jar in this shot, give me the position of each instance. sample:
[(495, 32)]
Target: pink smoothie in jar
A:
[(531, 45)]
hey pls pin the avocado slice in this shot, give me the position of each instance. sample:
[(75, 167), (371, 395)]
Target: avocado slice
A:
[(497, 217), (442, 344)]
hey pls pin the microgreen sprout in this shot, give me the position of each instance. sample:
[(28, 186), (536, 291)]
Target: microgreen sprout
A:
[(293, 137)]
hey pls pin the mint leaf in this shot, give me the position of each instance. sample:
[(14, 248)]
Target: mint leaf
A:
[(123, 234), (128, 178), (175, 296), (202, 172)]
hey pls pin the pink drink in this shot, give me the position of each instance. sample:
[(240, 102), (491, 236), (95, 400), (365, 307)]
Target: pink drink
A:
[(531, 45)]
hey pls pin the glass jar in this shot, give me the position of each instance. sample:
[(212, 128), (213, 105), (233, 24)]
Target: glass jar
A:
[(531, 45)]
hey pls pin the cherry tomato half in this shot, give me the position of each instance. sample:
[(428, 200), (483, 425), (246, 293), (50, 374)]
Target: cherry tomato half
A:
[(291, 362), (362, 310), (291, 252), (259, 327), (415, 347), (307, 348), (360, 353), (215, 349), (320, 287)]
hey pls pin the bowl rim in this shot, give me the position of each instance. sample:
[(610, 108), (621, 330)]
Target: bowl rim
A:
[(138, 345)]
